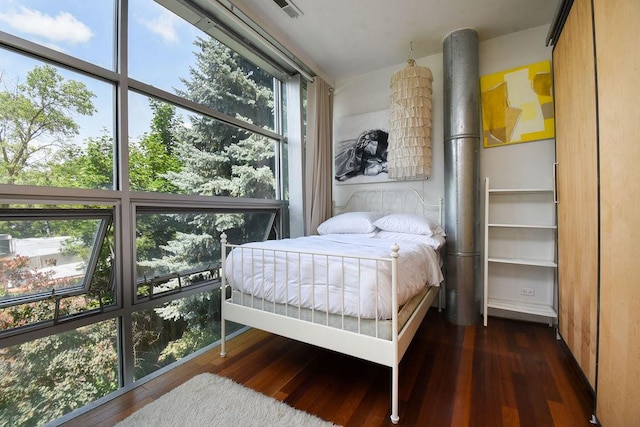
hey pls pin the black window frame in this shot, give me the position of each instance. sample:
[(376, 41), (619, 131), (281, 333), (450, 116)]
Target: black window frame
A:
[(66, 214), (272, 229)]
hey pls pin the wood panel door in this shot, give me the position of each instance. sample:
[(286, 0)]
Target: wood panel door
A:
[(577, 183), (618, 64)]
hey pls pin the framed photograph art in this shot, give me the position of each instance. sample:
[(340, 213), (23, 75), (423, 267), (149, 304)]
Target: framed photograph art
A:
[(360, 150)]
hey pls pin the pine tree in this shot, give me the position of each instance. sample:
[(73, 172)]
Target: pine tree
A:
[(217, 159), (220, 159), (225, 160)]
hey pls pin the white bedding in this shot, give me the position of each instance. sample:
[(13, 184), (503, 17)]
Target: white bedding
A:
[(295, 276)]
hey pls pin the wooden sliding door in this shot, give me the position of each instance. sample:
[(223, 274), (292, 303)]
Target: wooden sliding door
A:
[(618, 64), (577, 180)]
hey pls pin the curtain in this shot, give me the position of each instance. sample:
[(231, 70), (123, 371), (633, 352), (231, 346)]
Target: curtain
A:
[(318, 156)]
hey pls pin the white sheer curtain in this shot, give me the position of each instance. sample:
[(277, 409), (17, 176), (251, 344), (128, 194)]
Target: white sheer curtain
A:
[(318, 157)]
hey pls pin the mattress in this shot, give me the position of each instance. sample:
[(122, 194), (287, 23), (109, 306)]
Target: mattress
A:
[(378, 328), (339, 274)]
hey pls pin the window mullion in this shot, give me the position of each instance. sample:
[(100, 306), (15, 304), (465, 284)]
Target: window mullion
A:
[(125, 221)]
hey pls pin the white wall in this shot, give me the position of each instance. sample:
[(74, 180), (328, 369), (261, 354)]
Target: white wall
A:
[(370, 92), (529, 164), (519, 165), (525, 165)]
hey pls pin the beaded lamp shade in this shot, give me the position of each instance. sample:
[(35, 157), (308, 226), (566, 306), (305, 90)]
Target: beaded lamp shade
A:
[(409, 154)]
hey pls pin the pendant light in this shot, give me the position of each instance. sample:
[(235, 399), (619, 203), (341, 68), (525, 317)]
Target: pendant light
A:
[(409, 152)]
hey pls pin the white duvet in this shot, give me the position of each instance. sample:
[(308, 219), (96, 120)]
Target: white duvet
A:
[(292, 271)]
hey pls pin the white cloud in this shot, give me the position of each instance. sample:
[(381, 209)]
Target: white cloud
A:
[(165, 26), (62, 28)]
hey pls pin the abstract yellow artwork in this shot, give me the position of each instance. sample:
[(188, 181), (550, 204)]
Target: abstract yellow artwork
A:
[(517, 105)]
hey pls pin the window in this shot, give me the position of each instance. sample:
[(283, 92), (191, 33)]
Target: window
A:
[(178, 249), (54, 123), (84, 30), (191, 65), (54, 264), (117, 176), (45, 378), (188, 152), (168, 332)]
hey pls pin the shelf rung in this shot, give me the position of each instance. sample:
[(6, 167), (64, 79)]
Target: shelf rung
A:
[(522, 307), (519, 190), (544, 227), (523, 261)]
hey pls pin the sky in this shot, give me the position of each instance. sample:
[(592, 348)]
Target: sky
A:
[(160, 48)]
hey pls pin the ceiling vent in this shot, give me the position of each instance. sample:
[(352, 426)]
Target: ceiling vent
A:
[(290, 8)]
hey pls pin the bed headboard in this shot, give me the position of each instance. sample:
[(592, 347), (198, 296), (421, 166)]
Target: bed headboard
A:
[(388, 201)]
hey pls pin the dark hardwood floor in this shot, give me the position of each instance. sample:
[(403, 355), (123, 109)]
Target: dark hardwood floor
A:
[(509, 374)]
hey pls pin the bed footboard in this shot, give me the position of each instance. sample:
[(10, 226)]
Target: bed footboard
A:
[(324, 324), (353, 293)]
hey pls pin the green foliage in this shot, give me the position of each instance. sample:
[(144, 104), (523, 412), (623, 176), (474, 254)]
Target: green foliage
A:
[(228, 83), (102, 287), (223, 160), (153, 157), (152, 231), (46, 378), (196, 310), (189, 342), (178, 328), (41, 109), (84, 167), (58, 374)]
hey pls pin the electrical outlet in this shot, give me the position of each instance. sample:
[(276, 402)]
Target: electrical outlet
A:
[(529, 292)]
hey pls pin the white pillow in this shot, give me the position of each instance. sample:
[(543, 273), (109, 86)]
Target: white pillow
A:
[(350, 223), (409, 223), (436, 241)]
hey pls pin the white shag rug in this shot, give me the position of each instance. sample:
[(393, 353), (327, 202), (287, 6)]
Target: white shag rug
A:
[(210, 400)]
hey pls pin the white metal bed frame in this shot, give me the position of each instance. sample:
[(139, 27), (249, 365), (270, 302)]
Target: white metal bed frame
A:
[(387, 352)]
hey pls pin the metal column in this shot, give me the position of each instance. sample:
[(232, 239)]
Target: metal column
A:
[(462, 175)]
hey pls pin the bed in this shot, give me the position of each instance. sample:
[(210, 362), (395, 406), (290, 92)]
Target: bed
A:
[(361, 287)]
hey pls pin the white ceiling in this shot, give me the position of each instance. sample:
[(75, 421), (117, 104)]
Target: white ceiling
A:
[(339, 39)]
